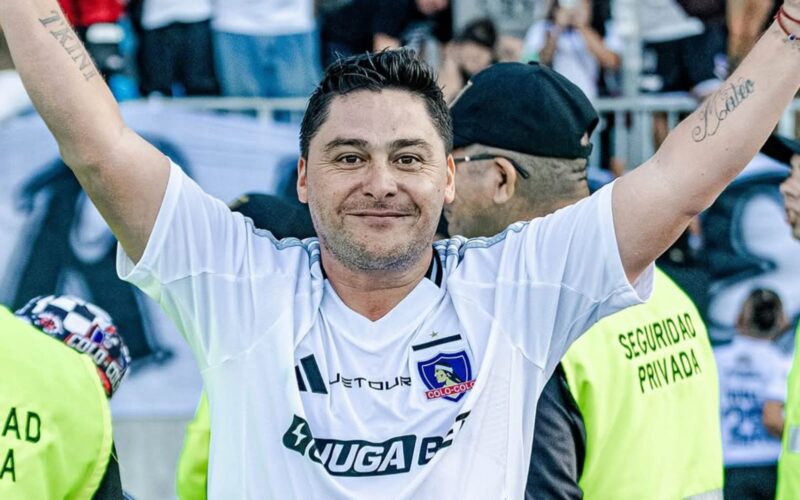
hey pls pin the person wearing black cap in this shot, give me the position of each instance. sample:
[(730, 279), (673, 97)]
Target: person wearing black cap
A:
[(595, 417)]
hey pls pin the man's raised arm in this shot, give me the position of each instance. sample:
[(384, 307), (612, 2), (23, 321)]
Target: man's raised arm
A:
[(124, 175), (655, 202)]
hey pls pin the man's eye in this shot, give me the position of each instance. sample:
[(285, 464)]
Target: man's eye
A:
[(349, 159), (408, 161)]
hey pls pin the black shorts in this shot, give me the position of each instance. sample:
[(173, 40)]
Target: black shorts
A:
[(681, 65), (751, 483)]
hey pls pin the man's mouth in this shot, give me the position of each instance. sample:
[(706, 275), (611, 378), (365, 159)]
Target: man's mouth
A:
[(378, 213)]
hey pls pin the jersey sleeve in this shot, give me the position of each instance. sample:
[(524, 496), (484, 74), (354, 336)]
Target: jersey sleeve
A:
[(219, 279), (549, 280), (573, 261)]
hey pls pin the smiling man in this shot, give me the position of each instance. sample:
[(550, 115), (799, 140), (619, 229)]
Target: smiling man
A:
[(320, 356)]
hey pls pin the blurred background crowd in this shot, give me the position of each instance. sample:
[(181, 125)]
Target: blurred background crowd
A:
[(219, 85)]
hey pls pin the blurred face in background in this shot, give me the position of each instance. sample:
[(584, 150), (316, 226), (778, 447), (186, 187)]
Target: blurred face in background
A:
[(476, 209), (472, 58), (430, 7)]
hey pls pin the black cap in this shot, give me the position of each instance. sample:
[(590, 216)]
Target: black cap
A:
[(781, 148), (283, 217), (527, 108)]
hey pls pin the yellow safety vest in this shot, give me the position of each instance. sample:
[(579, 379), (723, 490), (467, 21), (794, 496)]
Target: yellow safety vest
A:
[(55, 423), (789, 461), (193, 465), (645, 381)]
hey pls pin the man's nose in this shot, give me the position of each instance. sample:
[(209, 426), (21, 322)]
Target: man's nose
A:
[(380, 182)]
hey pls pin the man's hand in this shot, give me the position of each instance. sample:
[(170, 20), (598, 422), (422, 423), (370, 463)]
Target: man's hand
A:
[(791, 196)]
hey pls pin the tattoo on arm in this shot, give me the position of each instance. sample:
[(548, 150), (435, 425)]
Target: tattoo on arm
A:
[(719, 106), (62, 32)]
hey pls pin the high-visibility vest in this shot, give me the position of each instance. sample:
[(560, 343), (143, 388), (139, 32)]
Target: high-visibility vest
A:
[(55, 423), (192, 481), (646, 383), (789, 461)]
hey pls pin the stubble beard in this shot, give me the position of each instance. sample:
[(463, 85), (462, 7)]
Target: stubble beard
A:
[(356, 256)]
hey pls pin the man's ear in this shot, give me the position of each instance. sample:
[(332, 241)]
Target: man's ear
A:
[(450, 187), (302, 185), (506, 180)]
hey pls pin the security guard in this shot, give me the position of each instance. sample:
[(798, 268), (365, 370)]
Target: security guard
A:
[(651, 407), (643, 381), (789, 461), (55, 422)]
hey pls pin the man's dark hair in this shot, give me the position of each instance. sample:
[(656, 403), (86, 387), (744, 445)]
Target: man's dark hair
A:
[(389, 69)]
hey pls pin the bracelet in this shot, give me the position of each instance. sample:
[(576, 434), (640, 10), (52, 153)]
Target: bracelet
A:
[(781, 12)]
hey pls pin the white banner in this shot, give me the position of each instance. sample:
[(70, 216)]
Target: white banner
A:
[(53, 240)]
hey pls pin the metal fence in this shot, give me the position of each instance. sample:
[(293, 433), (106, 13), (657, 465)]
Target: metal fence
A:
[(628, 120), (630, 123)]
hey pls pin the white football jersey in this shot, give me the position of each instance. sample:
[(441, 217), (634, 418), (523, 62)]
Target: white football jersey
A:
[(437, 399)]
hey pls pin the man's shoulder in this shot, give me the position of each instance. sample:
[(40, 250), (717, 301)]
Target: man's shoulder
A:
[(458, 245)]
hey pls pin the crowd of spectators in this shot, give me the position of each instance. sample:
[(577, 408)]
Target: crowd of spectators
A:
[(272, 48)]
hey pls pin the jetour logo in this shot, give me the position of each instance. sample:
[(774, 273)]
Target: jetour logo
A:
[(447, 375)]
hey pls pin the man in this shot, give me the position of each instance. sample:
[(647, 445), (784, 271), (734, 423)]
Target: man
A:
[(55, 434), (596, 417), (750, 367), (355, 26), (318, 355), (472, 51), (265, 48)]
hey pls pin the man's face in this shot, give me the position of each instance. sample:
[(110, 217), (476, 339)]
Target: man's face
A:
[(375, 179), (791, 195), (473, 58), (430, 7), (473, 213)]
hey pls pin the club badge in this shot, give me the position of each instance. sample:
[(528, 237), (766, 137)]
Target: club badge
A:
[(447, 375)]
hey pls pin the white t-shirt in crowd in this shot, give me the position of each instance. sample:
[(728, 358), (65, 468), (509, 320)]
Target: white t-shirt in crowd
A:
[(159, 13), (572, 57), (263, 17), (437, 399), (751, 371), (665, 20)]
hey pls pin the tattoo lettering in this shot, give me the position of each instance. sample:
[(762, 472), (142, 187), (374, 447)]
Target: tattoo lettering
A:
[(69, 42), (719, 106)]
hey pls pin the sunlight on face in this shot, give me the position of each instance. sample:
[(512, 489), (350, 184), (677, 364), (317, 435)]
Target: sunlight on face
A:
[(376, 178)]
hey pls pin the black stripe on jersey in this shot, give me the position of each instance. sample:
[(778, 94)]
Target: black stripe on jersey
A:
[(433, 343), (435, 269), (313, 375), (300, 383)]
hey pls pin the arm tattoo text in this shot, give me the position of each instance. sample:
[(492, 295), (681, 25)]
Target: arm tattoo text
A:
[(62, 32), (719, 106)]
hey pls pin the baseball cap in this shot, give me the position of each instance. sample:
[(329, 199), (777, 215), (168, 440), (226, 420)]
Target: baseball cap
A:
[(781, 148), (283, 217), (84, 327), (527, 108)]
